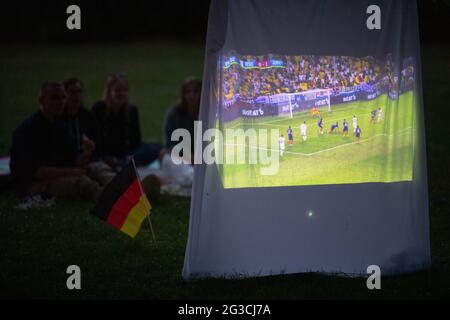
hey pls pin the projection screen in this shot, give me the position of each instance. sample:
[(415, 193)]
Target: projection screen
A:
[(334, 104)]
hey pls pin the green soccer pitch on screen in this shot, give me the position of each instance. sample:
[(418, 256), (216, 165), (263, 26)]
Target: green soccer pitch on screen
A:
[(337, 119)]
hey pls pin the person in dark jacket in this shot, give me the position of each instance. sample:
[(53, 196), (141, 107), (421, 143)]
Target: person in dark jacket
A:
[(45, 158), (83, 126), (183, 114), (81, 123), (119, 128)]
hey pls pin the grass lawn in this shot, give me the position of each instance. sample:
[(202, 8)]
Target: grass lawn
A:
[(37, 246)]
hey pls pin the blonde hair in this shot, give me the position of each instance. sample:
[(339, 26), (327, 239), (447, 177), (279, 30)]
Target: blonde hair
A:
[(187, 83), (111, 82)]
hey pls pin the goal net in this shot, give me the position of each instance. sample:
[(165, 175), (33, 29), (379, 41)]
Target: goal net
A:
[(288, 104)]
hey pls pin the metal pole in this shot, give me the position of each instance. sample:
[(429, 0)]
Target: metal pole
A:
[(148, 215)]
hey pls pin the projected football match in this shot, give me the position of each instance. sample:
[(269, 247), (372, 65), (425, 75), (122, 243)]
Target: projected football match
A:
[(337, 119)]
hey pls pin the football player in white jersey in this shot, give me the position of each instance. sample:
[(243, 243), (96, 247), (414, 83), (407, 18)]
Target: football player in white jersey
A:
[(282, 145), (303, 130)]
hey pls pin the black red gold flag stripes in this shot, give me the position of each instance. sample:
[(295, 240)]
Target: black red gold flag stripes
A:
[(123, 203)]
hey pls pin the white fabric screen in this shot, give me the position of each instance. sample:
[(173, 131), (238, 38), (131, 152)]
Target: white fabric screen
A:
[(339, 217)]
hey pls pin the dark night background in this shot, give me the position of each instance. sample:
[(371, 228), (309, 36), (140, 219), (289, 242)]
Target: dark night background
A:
[(113, 20), (158, 44)]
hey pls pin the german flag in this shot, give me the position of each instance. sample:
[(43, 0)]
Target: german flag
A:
[(123, 203)]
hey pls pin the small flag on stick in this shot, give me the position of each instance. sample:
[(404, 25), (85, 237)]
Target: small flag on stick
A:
[(123, 203)]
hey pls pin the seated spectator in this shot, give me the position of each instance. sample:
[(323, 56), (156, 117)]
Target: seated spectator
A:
[(45, 158), (82, 126), (119, 129), (183, 114), (81, 122)]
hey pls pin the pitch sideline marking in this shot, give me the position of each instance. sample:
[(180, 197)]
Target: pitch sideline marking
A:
[(299, 115), (327, 121), (329, 149)]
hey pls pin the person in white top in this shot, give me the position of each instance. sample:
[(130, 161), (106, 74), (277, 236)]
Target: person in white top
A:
[(380, 114), (354, 123), (281, 141), (303, 130)]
